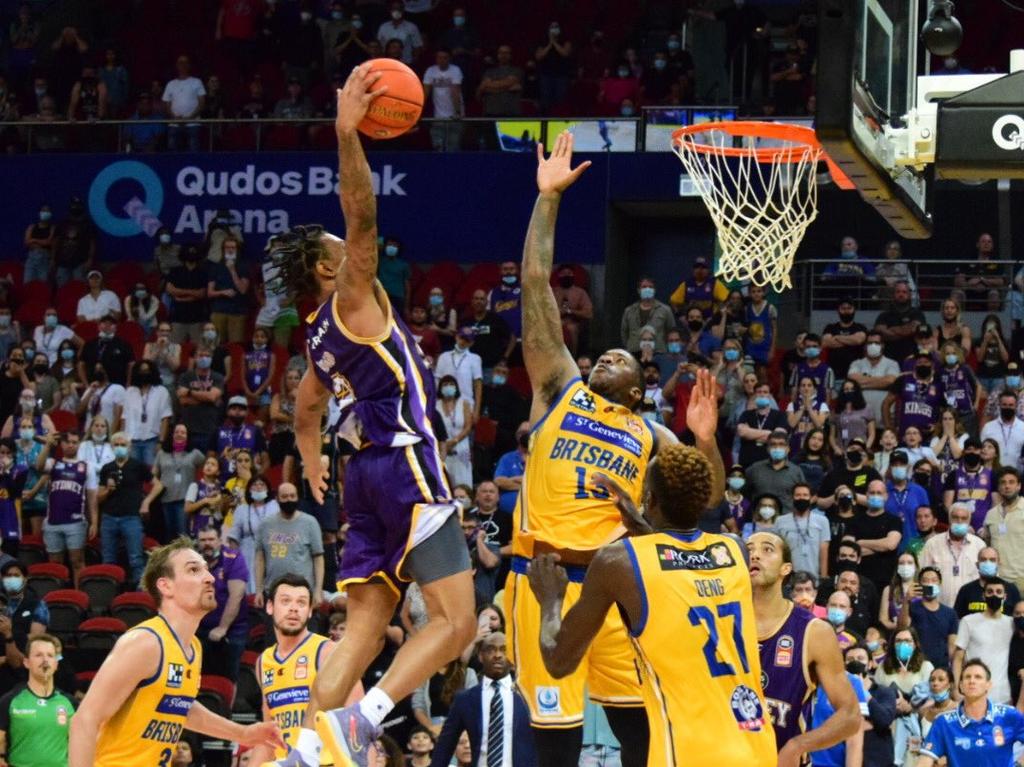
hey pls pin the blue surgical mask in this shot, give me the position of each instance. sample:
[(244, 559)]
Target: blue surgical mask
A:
[(50, 320), (960, 529), (165, 239), (259, 495), (674, 347), (952, 359), (459, 20), (67, 354), (646, 293), (674, 45), (873, 646), (357, 23), (120, 451), (777, 454), (731, 355), (27, 434), (812, 352), (337, 15), (1013, 381), (448, 390), (391, 251), (436, 300), (988, 569), (660, 64), (762, 402), (210, 336), (13, 584), (904, 651), (899, 473), (767, 513), (627, 110), (30, 354), (203, 363), (736, 483), (940, 697), (836, 616), (140, 294), (876, 502), (498, 379), (509, 279), (45, 215), (623, 72)]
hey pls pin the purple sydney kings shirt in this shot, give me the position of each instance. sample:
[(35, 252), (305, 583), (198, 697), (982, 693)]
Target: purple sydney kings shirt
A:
[(68, 482), (918, 403)]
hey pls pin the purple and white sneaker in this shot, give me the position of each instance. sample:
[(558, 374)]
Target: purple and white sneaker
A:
[(347, 735), (293, 759)]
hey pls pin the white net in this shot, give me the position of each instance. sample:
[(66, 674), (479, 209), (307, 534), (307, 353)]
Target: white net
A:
[(761, 199)]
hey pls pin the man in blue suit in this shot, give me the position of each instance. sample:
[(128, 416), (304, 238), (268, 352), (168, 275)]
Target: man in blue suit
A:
[(493, 714)]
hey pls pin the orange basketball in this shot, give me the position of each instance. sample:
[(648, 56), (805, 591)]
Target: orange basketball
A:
[(395, 112)]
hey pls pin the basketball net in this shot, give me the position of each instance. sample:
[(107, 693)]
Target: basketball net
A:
[(761, 199)]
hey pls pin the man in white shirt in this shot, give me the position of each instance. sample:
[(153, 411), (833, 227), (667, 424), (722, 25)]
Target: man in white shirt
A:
[(442, 83), (954, 553), (1007, 431), (98, 302), (875, 374), (465, 367), (147, 412), (51, 334), (987, 636), (400, 28), (184, 97)]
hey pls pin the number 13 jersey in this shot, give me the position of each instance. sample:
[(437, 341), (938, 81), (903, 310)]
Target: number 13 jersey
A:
[(581, 434)]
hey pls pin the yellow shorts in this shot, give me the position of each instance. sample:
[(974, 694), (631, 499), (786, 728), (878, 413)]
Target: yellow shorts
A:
[(608, 670)]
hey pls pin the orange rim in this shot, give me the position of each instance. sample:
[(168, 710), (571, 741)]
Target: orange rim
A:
[(796, 134)]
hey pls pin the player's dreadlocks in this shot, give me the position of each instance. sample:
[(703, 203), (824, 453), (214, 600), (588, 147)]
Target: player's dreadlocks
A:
[(680, 478), (296, 253)]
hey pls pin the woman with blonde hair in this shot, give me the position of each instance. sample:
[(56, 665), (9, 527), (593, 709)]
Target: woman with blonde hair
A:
[(952, 329), (961, 386)]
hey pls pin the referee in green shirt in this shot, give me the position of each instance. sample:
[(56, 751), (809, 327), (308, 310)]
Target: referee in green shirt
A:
[(35, 718)]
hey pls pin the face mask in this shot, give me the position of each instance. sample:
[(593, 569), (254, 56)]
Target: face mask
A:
[(179, 445), (923, 371), (674, 347), (731, 355), (391, 251), (498, 379), (836, 616), (306, 16), (237, 420), (165, 239), (259, 495), (436, 300), (140, 294), (736, 483), (50, 320), (988, 569), (27, 434), (972, 460), (873, 646), (930, 591), (952, 359), (554, 31), (674, 45), (856, 667), (448, 390), (13, 584), (627, 111), (904, 651), (566, 282), (646, 293), (906, 572), (994, 603), (1013, 381), (40, 91), (854, 457), (396, 15), (874, 350), (210, 336), (899, 473), (1007, 413), (459, 20), (5, 320), (695, 325), (357, 23), (812, 352), (258, 347), (762, 402), (845, 501), (623, 72), (777, 454), (660, 64), (288, 507), (45, 215), (1019, 622), (203, 363), (647, 345), (120, 451), (923, 478), (106, 335), (230, 256), (802, 504), (959, 529), (876, 502), (846, 317), (766, 513), (99, 436)]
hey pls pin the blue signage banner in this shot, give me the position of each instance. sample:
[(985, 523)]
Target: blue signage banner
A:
[(465, 207)]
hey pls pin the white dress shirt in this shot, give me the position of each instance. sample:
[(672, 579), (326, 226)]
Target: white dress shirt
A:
[(1010, 439), (487, 692), (97, 308), (464, 366)]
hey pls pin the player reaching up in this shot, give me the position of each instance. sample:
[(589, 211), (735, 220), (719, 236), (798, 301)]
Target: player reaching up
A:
[(403, 522), (578, 431), (798, 653), (144, 694)]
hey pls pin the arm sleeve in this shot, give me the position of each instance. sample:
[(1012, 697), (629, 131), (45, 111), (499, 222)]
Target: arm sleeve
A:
[(91, 482), (192, 493), (502, 469)]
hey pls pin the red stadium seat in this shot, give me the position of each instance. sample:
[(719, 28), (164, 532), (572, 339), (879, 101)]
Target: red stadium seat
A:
[(520, 381), (84, 679), (217, 693), (102, 583), (64, 420), (66, 300), (248, 694), (100, 633), (87, 330), (134, 336), (149, 543), (48, 576), (67, 611), (15, 270), (486, 431), (126, 272), (234, 382), (31, 550), (480, 277), (133, 607)]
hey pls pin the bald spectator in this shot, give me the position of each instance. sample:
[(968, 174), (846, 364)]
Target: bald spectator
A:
[(971, 597), (184, 97), (289, 542), (879, 533), (954, 554), (501, 88), (839, 611)]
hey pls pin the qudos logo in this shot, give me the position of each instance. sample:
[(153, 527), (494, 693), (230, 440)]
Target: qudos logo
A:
[(124, 223), (1015, 139)]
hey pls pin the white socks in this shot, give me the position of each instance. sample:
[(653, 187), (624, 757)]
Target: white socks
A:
[(309, 745), (376, 705)]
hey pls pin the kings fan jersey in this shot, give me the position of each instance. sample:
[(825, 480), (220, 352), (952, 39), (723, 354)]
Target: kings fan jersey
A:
[(286, 682), (696, 641), (148, 726), (581, 434), (785, 677)]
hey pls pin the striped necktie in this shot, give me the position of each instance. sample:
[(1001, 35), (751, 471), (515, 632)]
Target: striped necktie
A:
[(495, 728)]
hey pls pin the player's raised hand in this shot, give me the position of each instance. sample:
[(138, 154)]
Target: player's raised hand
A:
[(702, 412), (632, 518), (355, 98), (556, 174), (547, 579)]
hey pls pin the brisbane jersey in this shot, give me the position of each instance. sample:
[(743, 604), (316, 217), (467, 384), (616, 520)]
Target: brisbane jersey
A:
[(582, 433), (148, 726), (285, 684), (696, 641), (784, 675)]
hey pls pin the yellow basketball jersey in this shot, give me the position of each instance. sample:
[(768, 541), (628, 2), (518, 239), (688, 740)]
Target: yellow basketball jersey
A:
[(146, 728), (581, 434), (286, 683), (697, 645)]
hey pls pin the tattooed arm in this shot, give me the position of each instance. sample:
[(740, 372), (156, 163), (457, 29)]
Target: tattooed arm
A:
[(548, 361)]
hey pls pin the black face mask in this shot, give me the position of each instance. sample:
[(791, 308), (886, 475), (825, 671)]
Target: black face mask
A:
[(994, 603), (845, 566), (845, 501), (1019, 622), (237, 420), (854, 457), (846, 316), (1006, 413), (288, 507), (566, 282), (972, 461), (923, 371), (923, 478), (99, 376), (856, 667), (695, 325), (653, 381), (802, 504)]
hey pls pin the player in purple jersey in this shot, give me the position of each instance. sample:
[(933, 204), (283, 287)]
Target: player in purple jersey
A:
[(403, 523), (798, 653)]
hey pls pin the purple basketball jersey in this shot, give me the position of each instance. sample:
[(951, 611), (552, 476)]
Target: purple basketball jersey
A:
[(783, 677), (919, 403), (67, 492), (257, 367), (959, 388), (974, 490)]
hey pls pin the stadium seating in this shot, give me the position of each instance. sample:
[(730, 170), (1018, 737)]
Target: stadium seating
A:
[(48, 576), (248, 695), (31, 550), (217, 693), (133, 607), (102, 583), (67, 611)]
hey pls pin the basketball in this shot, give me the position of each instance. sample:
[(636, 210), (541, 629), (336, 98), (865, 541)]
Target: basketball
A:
[(396, 111)]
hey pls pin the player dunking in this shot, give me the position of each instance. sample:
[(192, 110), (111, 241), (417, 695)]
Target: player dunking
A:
[(578, 430), (798, 653), (144, 694), (685, 596), (403, 522)]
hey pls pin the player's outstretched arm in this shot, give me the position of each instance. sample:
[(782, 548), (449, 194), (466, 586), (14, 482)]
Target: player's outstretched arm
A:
[(310, 404), (702, 420), (355, 186), (548, 361), (823, 652), (135, 657), (201, 719)]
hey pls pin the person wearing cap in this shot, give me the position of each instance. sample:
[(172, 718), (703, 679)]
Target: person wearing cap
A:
[(844, 339), (971, 484), (701, 291), (98, 302), (776, 475), (924, 337), (898, 323), (465, 367), (904, 496), (109, 350), (916, 397), (234, 435), (74, 252), (187, 285)]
